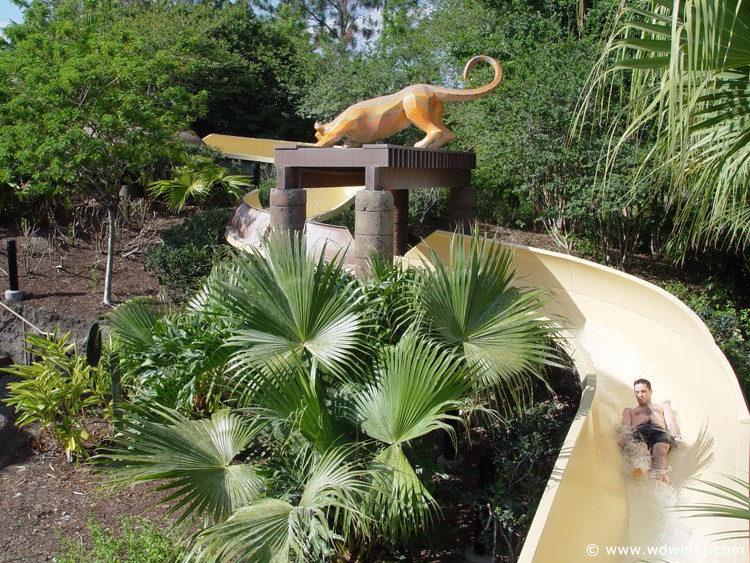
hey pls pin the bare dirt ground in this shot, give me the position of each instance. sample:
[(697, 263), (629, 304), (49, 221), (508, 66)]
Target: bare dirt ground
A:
[(44, 498)]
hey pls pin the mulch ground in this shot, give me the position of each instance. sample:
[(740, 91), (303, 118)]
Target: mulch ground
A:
[(45, 498)]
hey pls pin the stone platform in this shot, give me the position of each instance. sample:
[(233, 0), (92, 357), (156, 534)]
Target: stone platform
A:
[(387, 172)]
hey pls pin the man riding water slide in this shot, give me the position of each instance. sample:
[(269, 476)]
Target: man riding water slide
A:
[(651, 429)]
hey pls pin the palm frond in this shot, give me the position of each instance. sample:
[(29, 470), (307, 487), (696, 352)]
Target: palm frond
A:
[(399, 503), (312, 529), (416, 384), (281, 303), (190, 184), (194, 457), (283, 391), (470, 305), (686, 63), (132, 323), (737, 504)]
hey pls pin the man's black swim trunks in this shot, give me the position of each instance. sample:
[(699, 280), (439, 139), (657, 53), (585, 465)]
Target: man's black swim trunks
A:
[(651, 434)]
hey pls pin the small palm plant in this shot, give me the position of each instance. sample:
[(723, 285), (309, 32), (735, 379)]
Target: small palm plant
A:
[(736, 497), (339, 391), (196, 181), (687, 64)]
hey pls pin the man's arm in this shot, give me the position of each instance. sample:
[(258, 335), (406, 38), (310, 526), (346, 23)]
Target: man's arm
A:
[(672, 428), (627, 426)]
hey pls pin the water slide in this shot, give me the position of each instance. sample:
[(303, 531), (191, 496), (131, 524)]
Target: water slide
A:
[(620, 328), (250, 219)]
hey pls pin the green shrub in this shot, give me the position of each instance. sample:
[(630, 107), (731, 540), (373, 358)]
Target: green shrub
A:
[(188, 252), (139, 540), (525, 453), (728, 323), (57, 391), (203, 229), (175, 360)]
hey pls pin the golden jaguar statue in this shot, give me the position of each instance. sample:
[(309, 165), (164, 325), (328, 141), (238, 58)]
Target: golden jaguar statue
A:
[(421, 105)]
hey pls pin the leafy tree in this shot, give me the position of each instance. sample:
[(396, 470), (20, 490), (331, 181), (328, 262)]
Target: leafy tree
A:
[(93, 95), (86, 107)]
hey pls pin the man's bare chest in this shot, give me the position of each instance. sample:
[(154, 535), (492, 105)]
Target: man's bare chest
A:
[(652, 412)]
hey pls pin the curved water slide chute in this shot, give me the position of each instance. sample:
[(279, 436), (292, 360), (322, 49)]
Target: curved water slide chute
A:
[(250, 220), (620, 328)]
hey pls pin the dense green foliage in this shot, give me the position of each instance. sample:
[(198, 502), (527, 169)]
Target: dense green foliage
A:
[(138, 540), (686, 64), (93, 95), (58, 390), (168, 358), (189, 251), (728, 322), (327, 385), (525, 451)]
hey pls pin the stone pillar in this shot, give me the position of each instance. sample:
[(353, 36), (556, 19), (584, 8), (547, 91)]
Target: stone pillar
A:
[(288, 202), (400, 221), (373, 228), (462, 209), (288, 209)]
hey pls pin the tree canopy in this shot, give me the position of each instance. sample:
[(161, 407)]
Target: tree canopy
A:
[(93, 95)]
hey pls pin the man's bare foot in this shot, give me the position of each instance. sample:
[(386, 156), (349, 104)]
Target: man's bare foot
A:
[(638, 473)]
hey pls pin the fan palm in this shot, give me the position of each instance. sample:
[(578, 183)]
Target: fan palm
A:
[(302, 528), (307, 365), (417, 385), (283, 392), (194, 457), (687, 62), (196, 181), (281, 304), (471, 306)]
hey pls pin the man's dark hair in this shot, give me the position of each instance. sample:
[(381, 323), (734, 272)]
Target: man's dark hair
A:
[(642, 381)]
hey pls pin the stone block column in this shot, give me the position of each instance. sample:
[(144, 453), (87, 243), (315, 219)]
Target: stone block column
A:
[(288, 202), (400, 221), (373, 224), (462, 209)]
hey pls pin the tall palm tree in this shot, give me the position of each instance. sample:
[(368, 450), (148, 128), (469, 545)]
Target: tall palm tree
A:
[(687, 64)]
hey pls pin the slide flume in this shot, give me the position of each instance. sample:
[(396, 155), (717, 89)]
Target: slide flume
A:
[(620, 328)]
